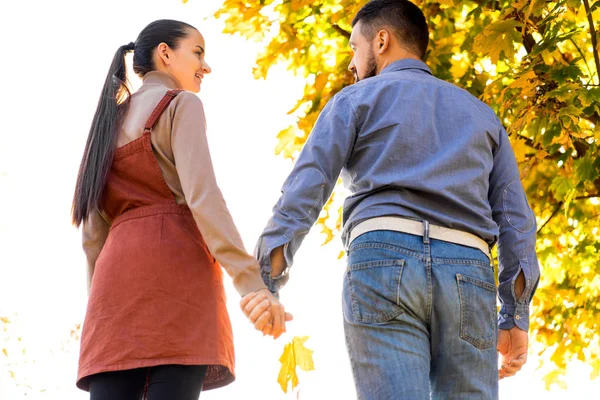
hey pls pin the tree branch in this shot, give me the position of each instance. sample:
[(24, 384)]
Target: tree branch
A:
[(589, 196), (558, 206), (341, 31), (531, 144), (586, 3), (529, 42), (490, 5)]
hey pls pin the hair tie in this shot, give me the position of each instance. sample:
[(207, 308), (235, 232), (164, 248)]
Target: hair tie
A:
[(130, 46)]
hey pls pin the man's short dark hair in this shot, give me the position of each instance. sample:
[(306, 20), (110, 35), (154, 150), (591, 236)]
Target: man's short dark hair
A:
[(405, 18)]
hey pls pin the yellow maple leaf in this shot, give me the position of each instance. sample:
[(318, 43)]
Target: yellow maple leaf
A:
[(295, 354), (498, 38), (519, 149)]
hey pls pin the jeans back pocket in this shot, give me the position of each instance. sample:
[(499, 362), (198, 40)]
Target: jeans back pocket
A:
[(374, 288), (477, 311)]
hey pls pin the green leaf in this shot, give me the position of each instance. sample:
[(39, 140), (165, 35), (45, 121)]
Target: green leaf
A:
[(564, 92), (569, 115), (561, 186), (588, 96), (566, 73), (575, 4), (586, 169)]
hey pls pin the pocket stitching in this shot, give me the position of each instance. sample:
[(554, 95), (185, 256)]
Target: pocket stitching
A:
[(368, 265), (477, 282), (477, 343)]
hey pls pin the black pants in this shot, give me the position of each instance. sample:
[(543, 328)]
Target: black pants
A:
[(165, 382)]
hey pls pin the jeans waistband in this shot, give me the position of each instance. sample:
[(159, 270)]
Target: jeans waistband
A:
[(420, 228)]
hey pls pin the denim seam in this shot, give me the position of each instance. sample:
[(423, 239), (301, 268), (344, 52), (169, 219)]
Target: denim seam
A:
[(355, 313), (378, 245), (375, 264), (416, 254), (350, 357)]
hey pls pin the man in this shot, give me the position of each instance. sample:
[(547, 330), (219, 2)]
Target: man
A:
[(434, 185)]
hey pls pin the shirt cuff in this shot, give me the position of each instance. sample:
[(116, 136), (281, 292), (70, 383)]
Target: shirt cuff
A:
[(275, 284), (514, 315)]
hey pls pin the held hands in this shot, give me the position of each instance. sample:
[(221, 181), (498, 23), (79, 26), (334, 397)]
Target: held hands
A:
[(262, 308), (512, 345), (265, 312)]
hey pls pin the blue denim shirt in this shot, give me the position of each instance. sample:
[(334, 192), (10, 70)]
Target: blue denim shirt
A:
[(409, 144)]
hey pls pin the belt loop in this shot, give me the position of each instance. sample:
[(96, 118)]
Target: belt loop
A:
[(426, 232)]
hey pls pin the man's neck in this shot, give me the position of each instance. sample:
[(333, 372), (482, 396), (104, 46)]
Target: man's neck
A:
[(392, 58)]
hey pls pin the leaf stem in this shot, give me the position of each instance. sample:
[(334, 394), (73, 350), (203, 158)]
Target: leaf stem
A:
[(584, 60)]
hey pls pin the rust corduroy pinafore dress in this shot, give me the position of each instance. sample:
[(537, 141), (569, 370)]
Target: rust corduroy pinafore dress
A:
[(157, 293)]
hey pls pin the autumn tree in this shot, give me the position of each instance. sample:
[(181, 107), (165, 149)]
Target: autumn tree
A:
[(536, 64)]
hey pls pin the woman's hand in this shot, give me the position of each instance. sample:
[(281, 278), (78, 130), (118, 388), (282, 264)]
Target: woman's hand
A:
[(265, 312)]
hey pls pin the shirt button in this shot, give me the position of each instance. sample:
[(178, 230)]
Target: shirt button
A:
[(517, 317), (505, 315)]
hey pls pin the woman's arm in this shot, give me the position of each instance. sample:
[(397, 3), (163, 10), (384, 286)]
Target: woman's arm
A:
[(94, 233), (203, 196)]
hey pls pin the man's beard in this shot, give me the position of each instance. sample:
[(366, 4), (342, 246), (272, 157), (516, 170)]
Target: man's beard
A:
[(371, 68)]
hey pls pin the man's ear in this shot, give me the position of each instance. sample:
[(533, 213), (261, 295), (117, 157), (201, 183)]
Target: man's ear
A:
[(383, 41)]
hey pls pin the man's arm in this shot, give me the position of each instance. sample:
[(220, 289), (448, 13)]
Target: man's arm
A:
[(307, 188), (518, 264)]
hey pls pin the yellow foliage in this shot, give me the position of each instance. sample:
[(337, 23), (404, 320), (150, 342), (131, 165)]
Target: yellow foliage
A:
[(497, 39), (519, 148), (295, 354)]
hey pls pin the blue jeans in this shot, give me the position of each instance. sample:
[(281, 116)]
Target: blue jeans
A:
[(420, 319)]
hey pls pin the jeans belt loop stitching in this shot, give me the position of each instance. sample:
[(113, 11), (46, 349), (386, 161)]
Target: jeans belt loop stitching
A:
[(426, 232)]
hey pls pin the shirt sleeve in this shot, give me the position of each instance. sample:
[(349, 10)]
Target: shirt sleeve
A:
[(516, 243), (204, 198), (93, 234), (309, 185)]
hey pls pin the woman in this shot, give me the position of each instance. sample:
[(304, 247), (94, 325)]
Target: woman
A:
[(155, 229)]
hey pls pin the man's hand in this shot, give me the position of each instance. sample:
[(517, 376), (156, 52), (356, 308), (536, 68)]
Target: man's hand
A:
[(512, 345), (265, 312)]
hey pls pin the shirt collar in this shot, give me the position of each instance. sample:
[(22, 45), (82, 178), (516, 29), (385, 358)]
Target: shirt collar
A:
[(161, 78), (407, 63)]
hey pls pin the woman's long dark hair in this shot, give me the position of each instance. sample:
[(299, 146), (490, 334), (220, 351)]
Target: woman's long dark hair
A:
[(112, 106)]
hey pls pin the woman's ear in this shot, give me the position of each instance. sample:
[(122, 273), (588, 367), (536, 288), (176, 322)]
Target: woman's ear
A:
[(163, 51)]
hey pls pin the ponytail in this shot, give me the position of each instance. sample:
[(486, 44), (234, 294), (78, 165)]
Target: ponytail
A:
[(102, 139)]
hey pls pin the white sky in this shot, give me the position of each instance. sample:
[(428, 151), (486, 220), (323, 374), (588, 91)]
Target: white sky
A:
[(55, 58)]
